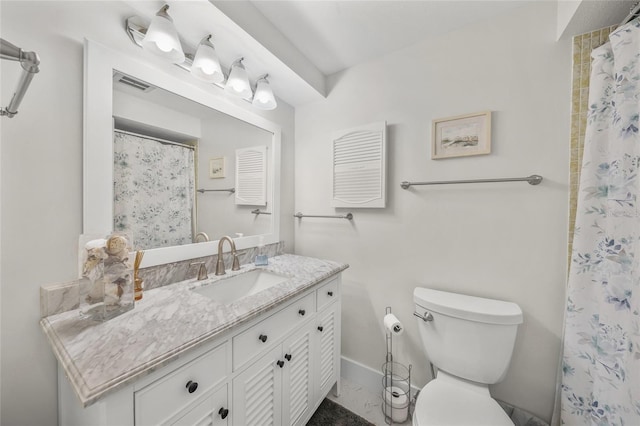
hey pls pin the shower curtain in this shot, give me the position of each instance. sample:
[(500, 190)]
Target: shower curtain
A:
[(154, 191), (601, 359)]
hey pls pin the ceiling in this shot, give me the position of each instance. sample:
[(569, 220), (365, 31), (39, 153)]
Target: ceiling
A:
[(335, 35)]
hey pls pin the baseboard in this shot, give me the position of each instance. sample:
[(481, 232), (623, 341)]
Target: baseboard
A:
[(364, 376)]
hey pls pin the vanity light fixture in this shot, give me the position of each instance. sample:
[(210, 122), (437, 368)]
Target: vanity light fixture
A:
[(162, 37), (206, 65), (238, 81), (263, 98)]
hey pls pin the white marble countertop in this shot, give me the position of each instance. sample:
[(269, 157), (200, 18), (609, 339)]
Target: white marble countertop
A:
[(100, 357)]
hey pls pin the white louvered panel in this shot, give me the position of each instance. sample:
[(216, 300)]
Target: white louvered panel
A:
[(359, 167), (327, 350), (260, 398), (299, 379), (251, 176), (257, 392)]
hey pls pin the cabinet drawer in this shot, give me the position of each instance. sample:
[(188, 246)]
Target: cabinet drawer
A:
[(162, 399), (212, 411), (251, 342), (327, 293)]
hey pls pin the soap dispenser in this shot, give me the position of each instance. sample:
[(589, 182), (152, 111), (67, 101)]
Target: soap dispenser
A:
[(261, 258)]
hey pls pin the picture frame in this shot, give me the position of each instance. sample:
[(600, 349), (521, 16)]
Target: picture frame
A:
[(217, 168), (461, 136)]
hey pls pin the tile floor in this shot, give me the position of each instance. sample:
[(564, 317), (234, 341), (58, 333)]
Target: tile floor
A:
[(368, 405), (361, 401)]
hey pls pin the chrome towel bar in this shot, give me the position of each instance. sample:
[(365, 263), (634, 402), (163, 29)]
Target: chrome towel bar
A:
[(531, 180), (231, 190), (347, 216)]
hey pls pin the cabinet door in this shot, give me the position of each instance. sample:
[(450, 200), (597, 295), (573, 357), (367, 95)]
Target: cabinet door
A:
[(297, 378), (328, 348), (257, 392), (212, 411)]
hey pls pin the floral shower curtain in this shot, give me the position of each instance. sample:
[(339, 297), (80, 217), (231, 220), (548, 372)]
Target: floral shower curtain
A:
[(601, 359), (154, 191)]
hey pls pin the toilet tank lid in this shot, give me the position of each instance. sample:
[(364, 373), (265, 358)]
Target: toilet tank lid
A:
[(468, 307)]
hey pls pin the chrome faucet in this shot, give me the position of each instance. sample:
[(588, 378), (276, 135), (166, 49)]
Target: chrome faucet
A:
[(202, 235), (220, 263)]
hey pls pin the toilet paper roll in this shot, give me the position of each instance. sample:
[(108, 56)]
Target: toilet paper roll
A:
[(393, 324), (396, 404)]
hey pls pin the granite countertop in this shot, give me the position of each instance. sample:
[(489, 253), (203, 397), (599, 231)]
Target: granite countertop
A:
[(100, 357)]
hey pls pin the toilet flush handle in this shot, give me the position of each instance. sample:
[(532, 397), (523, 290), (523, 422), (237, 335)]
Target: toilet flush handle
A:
[(426, 317)]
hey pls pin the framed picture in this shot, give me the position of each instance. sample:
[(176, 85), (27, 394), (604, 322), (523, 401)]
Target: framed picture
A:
[(216, 168), (461, 136)]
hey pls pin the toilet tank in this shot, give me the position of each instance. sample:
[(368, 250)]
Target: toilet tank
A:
[(469, 337)]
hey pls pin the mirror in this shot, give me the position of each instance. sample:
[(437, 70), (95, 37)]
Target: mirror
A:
[(175, 169), (105, 111)]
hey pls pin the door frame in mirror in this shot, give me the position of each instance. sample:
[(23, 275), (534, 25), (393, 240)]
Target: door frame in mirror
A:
[(97, 202)]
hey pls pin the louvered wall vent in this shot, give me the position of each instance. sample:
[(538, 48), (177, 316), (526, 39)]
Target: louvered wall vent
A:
[(251, 176), (359, 167)]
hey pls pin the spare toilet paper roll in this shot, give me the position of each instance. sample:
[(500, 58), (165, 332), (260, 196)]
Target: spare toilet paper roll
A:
[(393, 324), (396, 404)]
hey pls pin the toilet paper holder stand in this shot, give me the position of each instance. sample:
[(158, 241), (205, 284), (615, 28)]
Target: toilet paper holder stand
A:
[(396, 385)]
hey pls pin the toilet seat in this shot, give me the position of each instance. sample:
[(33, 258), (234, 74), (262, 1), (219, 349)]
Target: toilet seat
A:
[(447, 401)]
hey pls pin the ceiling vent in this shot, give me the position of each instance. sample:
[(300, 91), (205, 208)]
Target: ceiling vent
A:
[(119, 78)]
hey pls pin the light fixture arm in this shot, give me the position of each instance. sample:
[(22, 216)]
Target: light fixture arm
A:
[(30, 65), (207, 40), (163, 12)]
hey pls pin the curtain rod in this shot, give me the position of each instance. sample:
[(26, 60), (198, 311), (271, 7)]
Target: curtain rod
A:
[(633, 13), (152, 138)]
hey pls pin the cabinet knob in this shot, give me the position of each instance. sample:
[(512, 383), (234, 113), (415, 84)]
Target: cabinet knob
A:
[(224, 412), (280, 363), (320, 328), (330, 293), (263, 338), (288, 357), (302, 312), (192, 386)]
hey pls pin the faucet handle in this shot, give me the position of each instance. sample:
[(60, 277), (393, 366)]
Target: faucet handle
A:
[(202, 271), (236, 262)]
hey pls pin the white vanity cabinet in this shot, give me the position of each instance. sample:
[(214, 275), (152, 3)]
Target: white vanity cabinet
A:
[(275, 369)]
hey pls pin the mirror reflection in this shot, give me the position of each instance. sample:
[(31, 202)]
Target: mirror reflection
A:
[(183, 172)]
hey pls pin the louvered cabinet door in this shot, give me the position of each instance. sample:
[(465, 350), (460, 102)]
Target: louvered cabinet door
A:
[(359, 167), (251, 176), (327, 334), (257, 392), (297, 378)]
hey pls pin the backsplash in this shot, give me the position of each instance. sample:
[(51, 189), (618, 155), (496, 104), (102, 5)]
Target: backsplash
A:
[(62, 297)]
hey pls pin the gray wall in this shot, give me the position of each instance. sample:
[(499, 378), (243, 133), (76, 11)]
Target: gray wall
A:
[(506, 241), (41, 184)]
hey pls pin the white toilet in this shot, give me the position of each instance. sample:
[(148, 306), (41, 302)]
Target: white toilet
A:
[(470, 341)]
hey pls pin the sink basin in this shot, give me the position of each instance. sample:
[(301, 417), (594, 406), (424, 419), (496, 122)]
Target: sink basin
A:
[(228, 290)]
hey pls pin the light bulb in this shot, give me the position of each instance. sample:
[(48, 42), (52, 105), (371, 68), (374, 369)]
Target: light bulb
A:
[(206, 65), (264, 98), (238, 81), (162, 37)]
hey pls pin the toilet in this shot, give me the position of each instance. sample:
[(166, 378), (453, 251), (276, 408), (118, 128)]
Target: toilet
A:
[(469, 340)]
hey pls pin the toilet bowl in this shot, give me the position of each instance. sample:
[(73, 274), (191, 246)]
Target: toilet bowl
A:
[(470, 341)]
